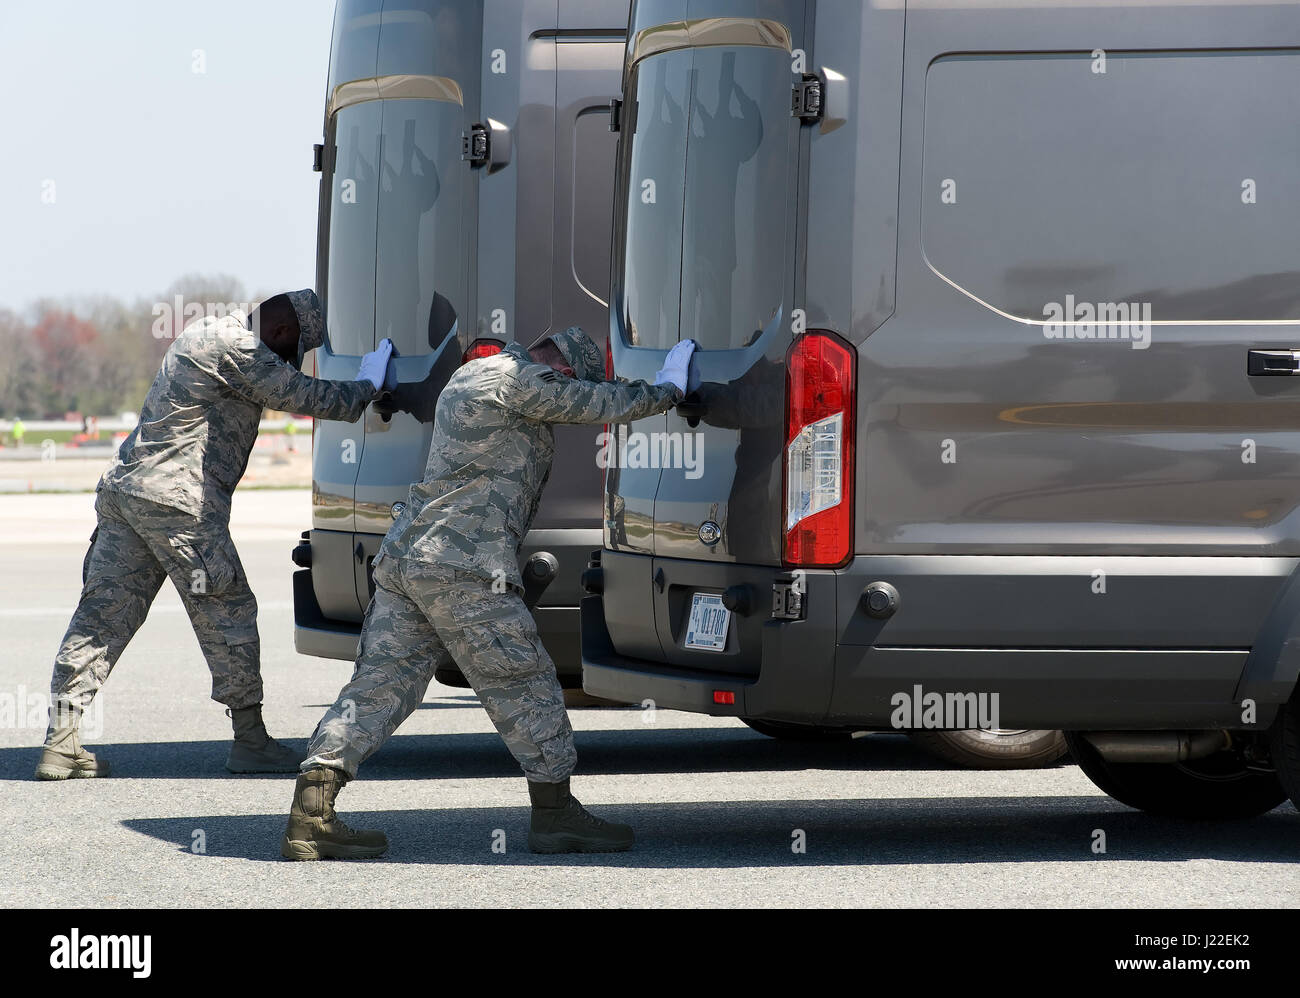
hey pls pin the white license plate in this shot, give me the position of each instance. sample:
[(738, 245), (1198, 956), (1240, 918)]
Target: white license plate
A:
[(707, 627)]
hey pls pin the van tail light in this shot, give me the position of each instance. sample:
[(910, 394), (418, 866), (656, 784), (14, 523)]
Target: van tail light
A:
[(482, 348), (819, 429)]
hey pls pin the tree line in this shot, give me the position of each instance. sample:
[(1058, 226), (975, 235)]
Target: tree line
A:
[(92, 355)]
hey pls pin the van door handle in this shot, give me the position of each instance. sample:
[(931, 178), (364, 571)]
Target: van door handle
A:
[(1262, 363)]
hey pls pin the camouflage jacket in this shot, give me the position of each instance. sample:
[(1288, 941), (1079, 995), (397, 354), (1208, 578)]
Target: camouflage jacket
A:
[(490, 457), (200, 418)]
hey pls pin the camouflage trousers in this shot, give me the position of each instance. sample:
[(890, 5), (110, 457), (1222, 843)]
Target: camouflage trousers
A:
[(423, 617), (137, 545)]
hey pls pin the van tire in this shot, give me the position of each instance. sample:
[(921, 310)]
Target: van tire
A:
[(798, 732), (1029, 749), (1216, 787), (1284, 746)]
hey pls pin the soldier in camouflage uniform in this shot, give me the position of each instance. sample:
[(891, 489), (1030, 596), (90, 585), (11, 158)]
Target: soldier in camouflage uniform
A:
[(447, 587), (163, 508)]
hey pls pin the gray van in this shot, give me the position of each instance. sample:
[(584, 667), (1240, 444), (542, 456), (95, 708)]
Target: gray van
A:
[(524, 174), (998, 307), (467, 182)]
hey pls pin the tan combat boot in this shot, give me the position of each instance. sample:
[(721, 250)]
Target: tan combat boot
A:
[(561, 824), (254, 751), (64, 757), (315, 831)]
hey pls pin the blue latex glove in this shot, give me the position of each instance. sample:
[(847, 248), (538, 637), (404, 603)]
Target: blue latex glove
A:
[(374, 365), (676, 366)]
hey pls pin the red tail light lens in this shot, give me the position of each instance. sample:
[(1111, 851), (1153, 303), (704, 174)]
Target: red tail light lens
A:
[(482, 348), (819, 427)]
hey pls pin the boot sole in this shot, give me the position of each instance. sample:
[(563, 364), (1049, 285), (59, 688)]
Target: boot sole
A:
[(551, 845), (56, 774), (254, 771), (306, 851)]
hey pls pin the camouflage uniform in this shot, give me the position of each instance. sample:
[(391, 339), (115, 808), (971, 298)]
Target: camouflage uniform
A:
[(447, 583), (164, 503)]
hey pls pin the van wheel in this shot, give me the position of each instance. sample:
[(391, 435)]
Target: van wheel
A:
[(798, 732), (1218, 786), (995, 748), (1284, 746)]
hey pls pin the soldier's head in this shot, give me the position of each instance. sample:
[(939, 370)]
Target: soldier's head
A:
[(549, 354), (290, 324), (578, 356)]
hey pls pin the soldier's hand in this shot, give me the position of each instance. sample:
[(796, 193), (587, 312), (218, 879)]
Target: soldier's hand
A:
[(374, 365), (676, 366)]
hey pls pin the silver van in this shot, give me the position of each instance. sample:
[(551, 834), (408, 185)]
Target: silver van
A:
[(466, 192), (998, 307)]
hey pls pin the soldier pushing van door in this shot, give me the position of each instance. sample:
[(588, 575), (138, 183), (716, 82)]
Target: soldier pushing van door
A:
[(448, 588), (163, 510)]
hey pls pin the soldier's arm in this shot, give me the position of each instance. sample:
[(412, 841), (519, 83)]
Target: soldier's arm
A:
[(549, 397), (258, 375)]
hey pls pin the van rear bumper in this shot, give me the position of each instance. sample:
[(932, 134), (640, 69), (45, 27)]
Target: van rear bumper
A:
[(840, 667)]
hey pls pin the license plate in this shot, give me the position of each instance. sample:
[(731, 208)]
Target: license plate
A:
[(707, 627)]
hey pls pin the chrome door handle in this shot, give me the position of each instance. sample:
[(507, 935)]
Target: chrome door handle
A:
[(1263, 363)]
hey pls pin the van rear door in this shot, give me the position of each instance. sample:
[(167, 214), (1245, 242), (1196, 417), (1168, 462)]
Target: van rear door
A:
[(707, 250)]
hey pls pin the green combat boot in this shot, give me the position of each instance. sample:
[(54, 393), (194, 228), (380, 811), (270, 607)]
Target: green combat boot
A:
[(315, 831), (64, 757), (254, 751), (561, 824)]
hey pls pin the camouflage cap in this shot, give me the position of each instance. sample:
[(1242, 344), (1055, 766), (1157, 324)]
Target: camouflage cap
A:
[(580, 351), (311, 320)]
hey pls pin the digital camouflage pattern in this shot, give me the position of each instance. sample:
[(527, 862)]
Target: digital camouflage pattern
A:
[(137, 545), (423, 617), (447, 584), (491, 454), (199, 420), (581, 352), (311, 320)]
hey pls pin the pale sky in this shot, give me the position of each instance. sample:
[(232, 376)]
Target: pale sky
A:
[(158, 170)]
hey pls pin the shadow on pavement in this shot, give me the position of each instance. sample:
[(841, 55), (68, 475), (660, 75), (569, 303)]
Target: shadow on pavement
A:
[(862, 832), (469, 755)]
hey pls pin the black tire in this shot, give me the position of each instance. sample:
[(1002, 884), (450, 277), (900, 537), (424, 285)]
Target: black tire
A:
[(1284, 746), (979, 749), (1214, 788), (798, 732)]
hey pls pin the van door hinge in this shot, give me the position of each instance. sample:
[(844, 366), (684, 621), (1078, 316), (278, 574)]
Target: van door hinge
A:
[(806, 98), (615, 114), (317, 157), (475, 146)]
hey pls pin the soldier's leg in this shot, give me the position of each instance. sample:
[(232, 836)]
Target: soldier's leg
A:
[(494, 640), (396, 659), (204, 566), (120, 578), (201, 560), (398, 654)]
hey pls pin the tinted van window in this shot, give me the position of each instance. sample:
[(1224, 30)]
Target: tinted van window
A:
[(354, 205), (1153, 183), (708, 181)]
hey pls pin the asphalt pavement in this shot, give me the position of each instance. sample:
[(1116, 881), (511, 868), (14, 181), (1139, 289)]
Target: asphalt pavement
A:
[(720, 811)]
